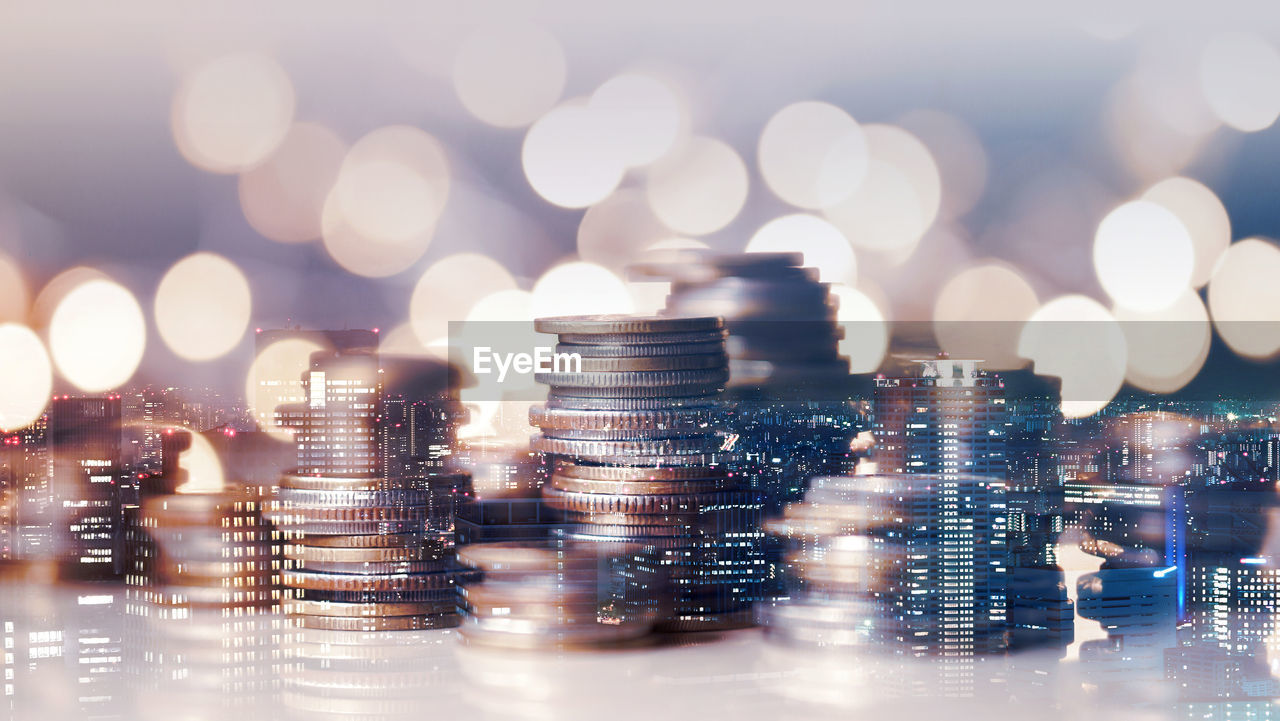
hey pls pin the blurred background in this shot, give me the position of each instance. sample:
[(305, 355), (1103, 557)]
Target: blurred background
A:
[(139, 134)]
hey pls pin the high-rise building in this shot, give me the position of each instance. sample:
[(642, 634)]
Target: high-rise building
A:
[(942, 428), (275, 393), (84, 443), (948, 418), (337, 425), (24, 461)]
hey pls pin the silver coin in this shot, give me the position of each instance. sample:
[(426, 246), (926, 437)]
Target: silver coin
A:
[(610, 324), (362, 499), (703, 390), (612, 339), (655, 420), (636, 380), (357, 528), (705, 399), (628, 448), (580, 434), (374, 567), (655, 363), (592, 350), (644, 504)]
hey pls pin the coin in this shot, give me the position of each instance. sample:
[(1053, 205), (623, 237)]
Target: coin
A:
[(304, 514), (614, 324), (521, 633), (636, 473), (332, 483), (574, 434), (616, 339), (704, 485), (448, 595), (652, 350), (635, 383), (627, 449), (310, 529), (397, 497), (511, 556), (644, 504), (655, 363), (374, 567), (665, 419), (444, 619), (377, 540), (705, 397), (368, 582), (419, 552), (361, 610), (690, 518)]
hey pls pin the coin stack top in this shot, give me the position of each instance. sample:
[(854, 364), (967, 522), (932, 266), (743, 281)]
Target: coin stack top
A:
[(637, 464), (781, 320)]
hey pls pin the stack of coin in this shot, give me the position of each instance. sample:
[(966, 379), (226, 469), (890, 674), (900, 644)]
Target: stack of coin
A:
[(371, 554), (541, 596), (781, 320), (638, 463), (202, 595), (213, 550), (370, 674), (843, 566)]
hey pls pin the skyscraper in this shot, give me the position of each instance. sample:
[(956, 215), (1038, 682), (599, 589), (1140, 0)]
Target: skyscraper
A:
[(337, 425), (275, 393), (84, 443), (947, 418), (943, 429)]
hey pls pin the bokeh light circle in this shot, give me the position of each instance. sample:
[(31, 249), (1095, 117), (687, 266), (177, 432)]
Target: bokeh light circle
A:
[(13, 291), (568, 157), (1167, 347), (823, 245), (1244, 298), (272, 371), (979, 314), (202, 306), (57, 288), (230, 113), (284, 196), (642, 115), (508, 75), (27, 379), (898, 200), (450, 288), (1240, 78), (614, 231), (1143, 256), (201, 465), (393, 184), (579, 288), (381, 214), (97, 335), (699, 188), (959, 154), (866, 334), (1204, 217), (1077, 340), (812, 154)]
